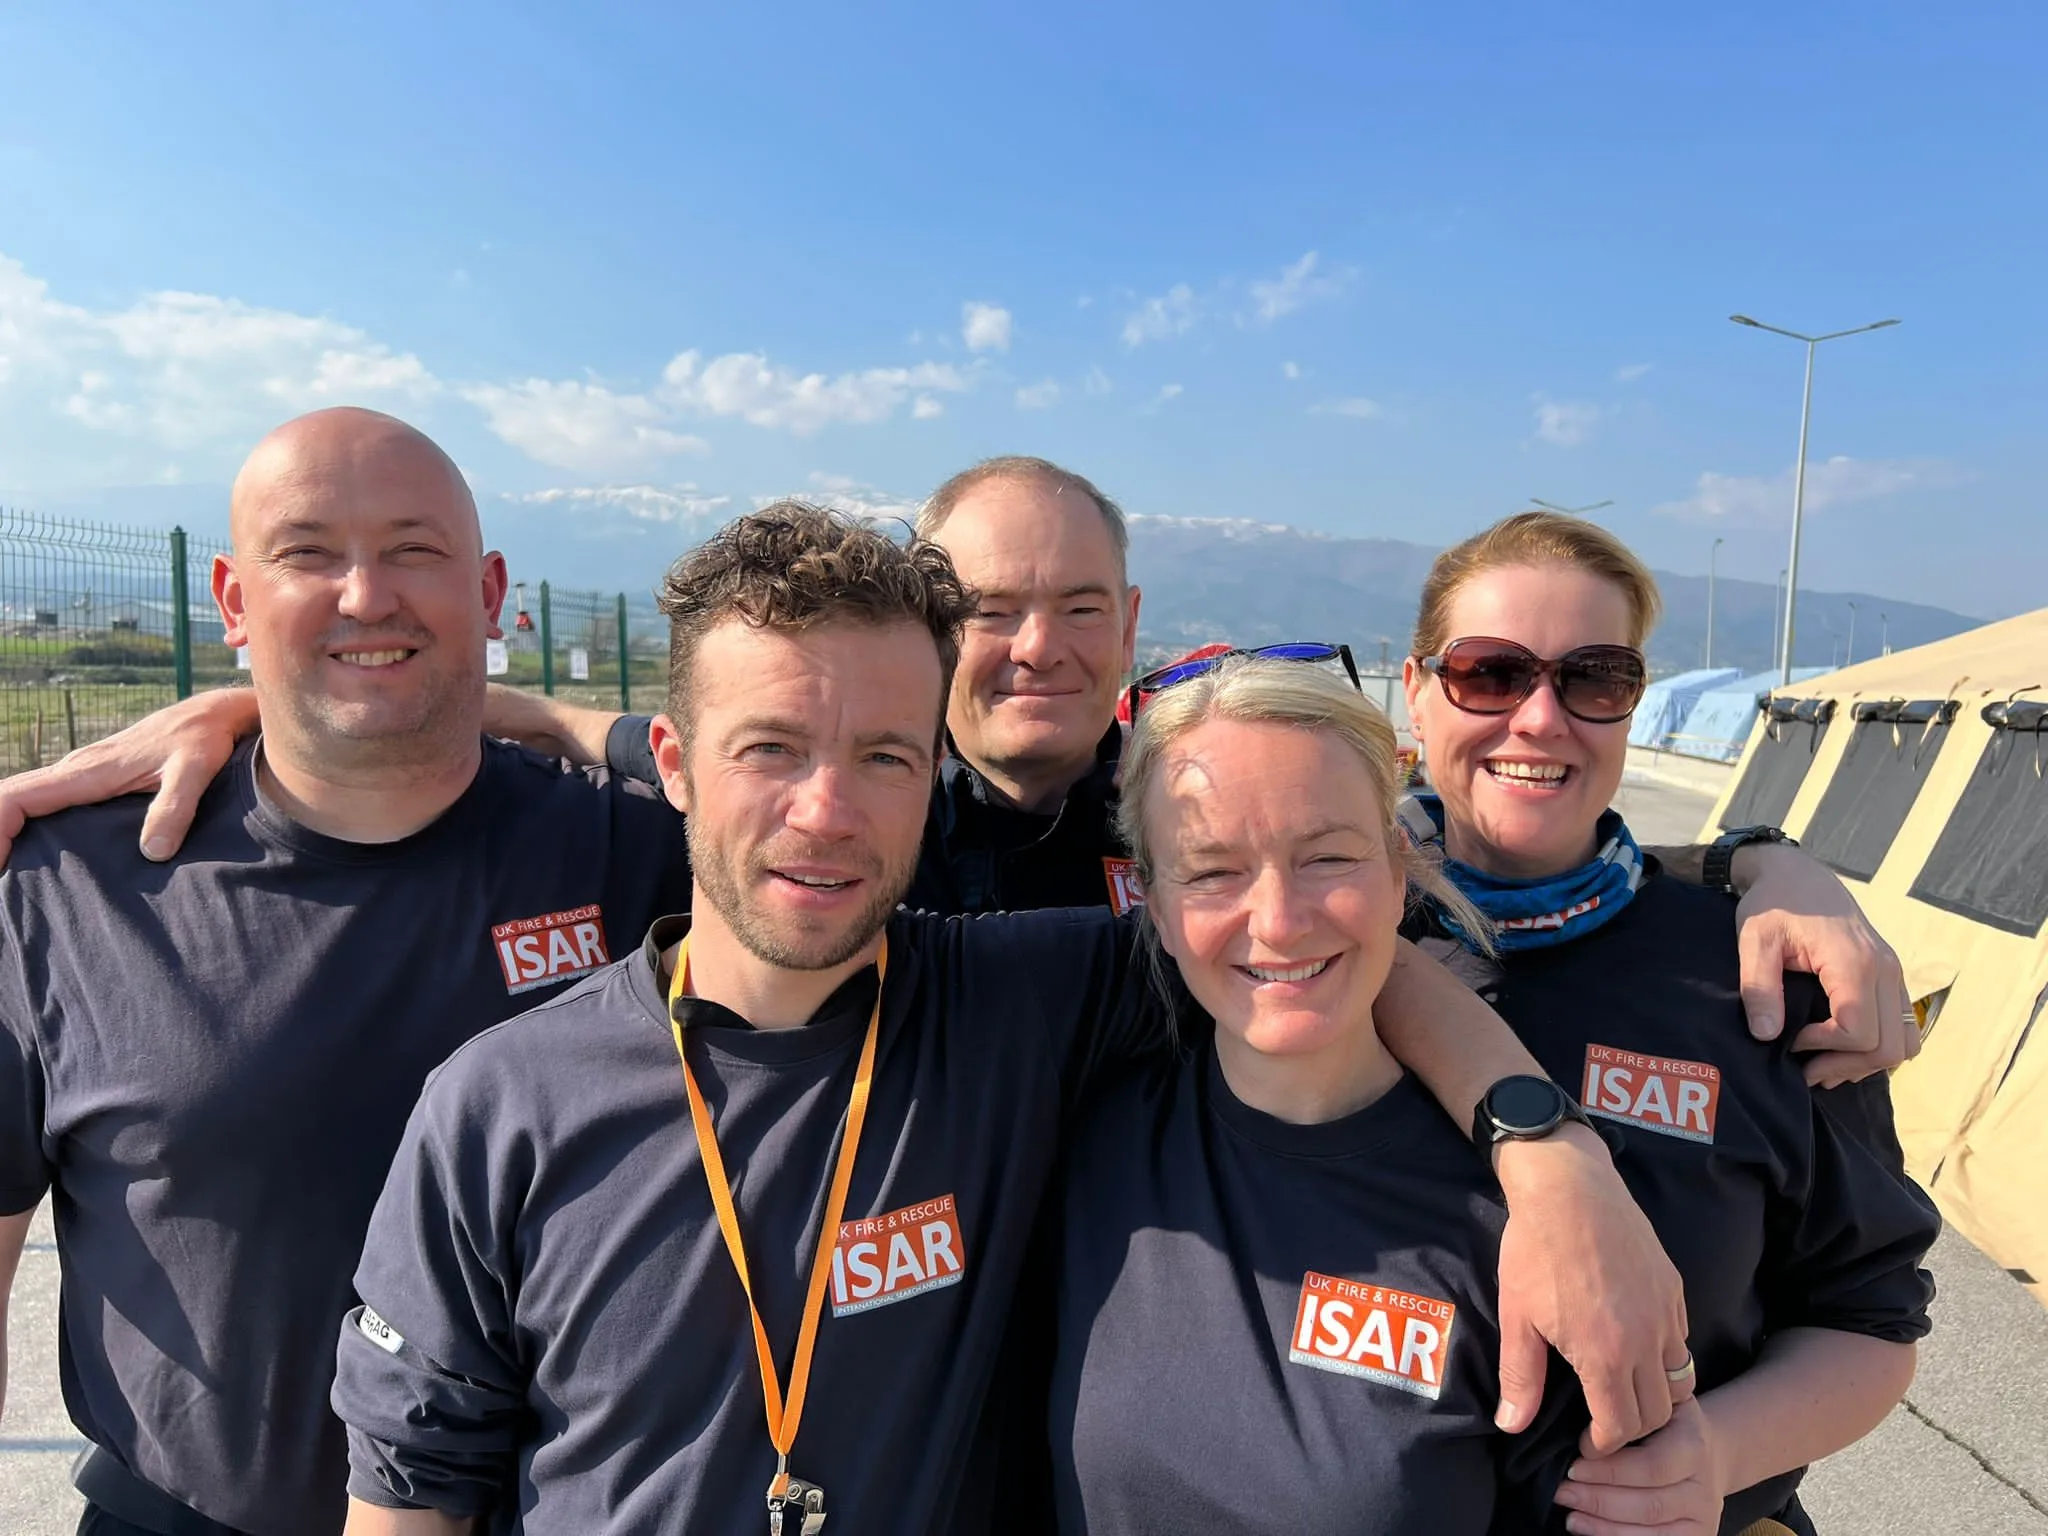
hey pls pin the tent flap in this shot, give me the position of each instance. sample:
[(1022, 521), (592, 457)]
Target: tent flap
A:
[(1777, 767), (1881, 774), (1991, 860)]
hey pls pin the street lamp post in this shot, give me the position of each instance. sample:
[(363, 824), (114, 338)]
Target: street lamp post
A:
[(1884, 634), (1777, 619), (1849, 659), (1799, 470), (1712, 550), (1551, 506)]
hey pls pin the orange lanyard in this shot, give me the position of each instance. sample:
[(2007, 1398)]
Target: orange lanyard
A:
[(782, 1417)]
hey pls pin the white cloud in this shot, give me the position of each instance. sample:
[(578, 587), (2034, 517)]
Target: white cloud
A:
[(1158, 319), (1352, 405), (1766, 500), (180, 384), (1039, 396), (1167, 392), (1297, 285), (648, 503), (985, 327), (847, 494), (1290, 371), (1565, 423), (747, 385), (1097, 382), (584, 427), (1628, 373), (98, 396)]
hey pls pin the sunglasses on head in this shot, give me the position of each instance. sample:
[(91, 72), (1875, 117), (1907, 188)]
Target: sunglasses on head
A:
[(1599, 684), (1291, 650)]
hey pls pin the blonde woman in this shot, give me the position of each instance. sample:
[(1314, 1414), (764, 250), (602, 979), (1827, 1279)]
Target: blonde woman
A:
[(1276, 1302)]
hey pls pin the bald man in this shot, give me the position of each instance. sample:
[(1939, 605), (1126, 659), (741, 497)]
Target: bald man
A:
[(209, 1061)]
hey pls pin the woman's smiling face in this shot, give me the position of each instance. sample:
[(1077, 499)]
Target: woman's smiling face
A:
[(1272, 886), (1523, 791)]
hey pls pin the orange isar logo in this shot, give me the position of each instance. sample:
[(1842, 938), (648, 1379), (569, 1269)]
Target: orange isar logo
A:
[(1124, 892), (539, 951), (1658, 1093), (897, 1255), (1383, 1335)]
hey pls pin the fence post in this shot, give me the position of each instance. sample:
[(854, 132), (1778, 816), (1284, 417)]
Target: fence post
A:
[(547, 644), (181, 617), (625, 678)]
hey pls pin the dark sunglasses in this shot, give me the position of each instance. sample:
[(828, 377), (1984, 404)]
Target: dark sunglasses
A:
[(1292, 650), (1599, 684)]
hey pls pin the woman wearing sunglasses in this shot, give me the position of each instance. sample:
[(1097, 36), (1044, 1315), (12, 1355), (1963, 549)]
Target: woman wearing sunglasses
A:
[(1275, 1298), (1787, 1212)]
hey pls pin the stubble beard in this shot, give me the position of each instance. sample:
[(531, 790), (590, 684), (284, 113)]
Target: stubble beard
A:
[(724, 887), (441, 722)]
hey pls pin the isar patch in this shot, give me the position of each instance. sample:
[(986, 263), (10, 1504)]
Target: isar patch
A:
[(1354, 1328), (889, 1258), (1658, 1093), (540, 951), (1124, 890)]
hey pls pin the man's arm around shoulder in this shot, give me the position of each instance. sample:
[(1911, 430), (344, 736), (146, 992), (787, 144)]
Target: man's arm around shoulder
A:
[(177, 751), (549, 726)]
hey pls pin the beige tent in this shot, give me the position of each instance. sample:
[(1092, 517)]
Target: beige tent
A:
[(1922, 778)]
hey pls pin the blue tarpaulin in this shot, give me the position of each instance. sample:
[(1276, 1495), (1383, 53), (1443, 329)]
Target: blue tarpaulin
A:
[(1669, 700), (1718, 724)]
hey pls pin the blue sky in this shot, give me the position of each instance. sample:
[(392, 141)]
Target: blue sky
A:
[(1383, 270)]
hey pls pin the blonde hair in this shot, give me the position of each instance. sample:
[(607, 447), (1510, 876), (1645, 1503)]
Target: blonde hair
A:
[(1268, 691), (1535, 538)]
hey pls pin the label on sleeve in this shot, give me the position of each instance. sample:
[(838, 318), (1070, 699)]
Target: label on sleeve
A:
[(379, 1332)]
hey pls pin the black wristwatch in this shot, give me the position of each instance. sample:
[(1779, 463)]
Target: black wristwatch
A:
[(1522, 1109), (1717, 872)]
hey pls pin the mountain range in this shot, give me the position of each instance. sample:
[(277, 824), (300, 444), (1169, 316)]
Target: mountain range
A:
[(1254, 583)]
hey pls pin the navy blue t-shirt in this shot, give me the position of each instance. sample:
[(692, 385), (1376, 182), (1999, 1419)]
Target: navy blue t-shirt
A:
[(1781, 1207), (554, 1336), (1269, 1327), (210, 1062)]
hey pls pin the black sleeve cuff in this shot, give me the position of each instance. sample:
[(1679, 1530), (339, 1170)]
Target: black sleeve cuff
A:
[(626, 750)]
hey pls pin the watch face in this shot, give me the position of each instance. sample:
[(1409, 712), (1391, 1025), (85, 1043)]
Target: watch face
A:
[(1524, 1103)]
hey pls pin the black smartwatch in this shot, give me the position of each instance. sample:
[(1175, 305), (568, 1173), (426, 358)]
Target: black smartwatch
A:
[(1717, 872), (1522, 1109)]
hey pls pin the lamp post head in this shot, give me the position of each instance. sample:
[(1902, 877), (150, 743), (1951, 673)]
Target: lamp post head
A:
[(1745, 320)]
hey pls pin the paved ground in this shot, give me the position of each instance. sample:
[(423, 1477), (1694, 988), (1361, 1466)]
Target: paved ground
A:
[(1967, 1451)]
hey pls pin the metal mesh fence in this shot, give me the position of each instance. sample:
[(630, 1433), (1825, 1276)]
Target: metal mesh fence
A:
[(101, 624), (566, 641), (98, 626)]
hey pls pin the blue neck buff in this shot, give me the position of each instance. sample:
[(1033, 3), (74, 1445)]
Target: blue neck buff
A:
[(1530, 914)]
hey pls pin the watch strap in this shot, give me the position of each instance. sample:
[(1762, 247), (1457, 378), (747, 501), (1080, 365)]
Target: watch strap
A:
[(1717, 868)]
